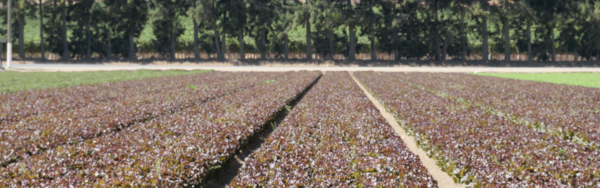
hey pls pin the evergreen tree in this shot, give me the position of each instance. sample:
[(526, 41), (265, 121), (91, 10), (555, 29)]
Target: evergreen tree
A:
[(208, 13), (53, 29), (81, 14), (167, 26), (21, 10), (237, 20), (524, 11), (370, 13), (547, 12), (480, 12), (262, 14), (132, 16), (284, 22), (42, 45)]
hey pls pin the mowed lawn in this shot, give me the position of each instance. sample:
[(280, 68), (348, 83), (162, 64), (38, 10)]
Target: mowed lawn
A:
[(578, 79), (20, 81)]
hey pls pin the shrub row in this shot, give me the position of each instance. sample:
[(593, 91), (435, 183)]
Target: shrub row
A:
[(482, 149), (335, 137), (570, 112), (37, 133), (174, 150)]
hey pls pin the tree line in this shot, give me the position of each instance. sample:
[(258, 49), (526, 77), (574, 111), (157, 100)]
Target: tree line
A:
[(430, 29)]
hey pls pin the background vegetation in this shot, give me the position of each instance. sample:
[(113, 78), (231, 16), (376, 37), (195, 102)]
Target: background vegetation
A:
[(424, 29)]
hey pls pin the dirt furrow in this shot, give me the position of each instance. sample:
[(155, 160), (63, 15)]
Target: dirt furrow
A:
[(443, 180)]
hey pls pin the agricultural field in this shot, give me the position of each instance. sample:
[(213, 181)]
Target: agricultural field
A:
[(492, 132), (23, 81), (334, 137), (186, 129), (578, 79)]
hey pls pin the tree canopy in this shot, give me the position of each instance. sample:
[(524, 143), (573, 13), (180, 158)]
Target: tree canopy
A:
[(408, 29)]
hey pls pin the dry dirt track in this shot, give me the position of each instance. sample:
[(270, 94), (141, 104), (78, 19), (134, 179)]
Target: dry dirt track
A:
[(443, 179), (100, 67)]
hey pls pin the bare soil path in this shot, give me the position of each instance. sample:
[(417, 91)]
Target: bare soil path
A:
[(440, 176), (284, 67)]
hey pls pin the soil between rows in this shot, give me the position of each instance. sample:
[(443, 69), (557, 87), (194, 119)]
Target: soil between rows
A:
[(223, 176)]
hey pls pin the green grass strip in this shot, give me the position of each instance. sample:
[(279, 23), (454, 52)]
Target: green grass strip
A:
[(578, 79), (20, 81)]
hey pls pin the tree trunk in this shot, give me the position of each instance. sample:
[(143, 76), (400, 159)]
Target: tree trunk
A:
[(223, 45), (241, 41), (446, 43), (436, 40), (463, 54), (217, 43), (21, 30), (373, 51), (131, 46), (331, 47), (598, 54), (506, 33), (172, 47), (286, 41), (436, 43), (263, 41), (42, 47), (484, 41), (418, 42), (396, 51), (308, 39), (395, 42), (88, 54), (196, 46), (65, 43), (552, 47), (529, 52), (172, 43), (109, 45), (506, 40), (575, 56), (286, 45), (351, 46), (54, 15)]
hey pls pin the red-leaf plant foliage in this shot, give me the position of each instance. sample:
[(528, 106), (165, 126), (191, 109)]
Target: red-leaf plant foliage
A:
[(37, 133), (335, 137), (18, 106), (481, 149), (170, 151), (571, 112)]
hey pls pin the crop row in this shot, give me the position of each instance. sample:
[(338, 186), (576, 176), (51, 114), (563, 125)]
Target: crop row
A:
[(17, 106), (179, 149), (37, 133), (40, 104), (481, 149), (570, 112), (334, 137)]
